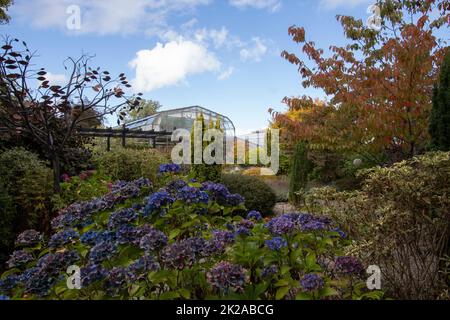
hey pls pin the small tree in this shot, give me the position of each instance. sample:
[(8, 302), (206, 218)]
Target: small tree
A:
[(440, 114), (46, 114), (4, 5), (205, 172), (147, 108), (299, 171)]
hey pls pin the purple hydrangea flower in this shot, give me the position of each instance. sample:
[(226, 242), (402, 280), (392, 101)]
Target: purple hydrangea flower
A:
[(281, 225), (269, 271), (154, 240), (246, 223), (48, 271), (348, 266), (225, 276), (178, 255), (313, 225), (92, 273), (19, 258), (28, 238), (276, 243), (117, 278), (311, 282), (243, 231)]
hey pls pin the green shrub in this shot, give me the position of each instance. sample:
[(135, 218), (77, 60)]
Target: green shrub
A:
[(299, 171), (28, 181), (7, 214), (130, 164), (400, 221), (84, 187), (440, 114), (205, 172), (258, 195)]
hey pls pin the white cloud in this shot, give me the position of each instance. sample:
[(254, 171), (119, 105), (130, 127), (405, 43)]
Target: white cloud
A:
[(271, 5), (101, 16), (254, 51), (171, 63), (226, 73), (217, 37), (56, 79), (333, 4)]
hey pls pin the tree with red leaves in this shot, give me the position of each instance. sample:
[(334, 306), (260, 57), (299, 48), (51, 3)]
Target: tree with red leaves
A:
[(379, 85)]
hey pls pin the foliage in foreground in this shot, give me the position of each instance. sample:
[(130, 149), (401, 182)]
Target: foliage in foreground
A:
[(399, 221), (183, 242)]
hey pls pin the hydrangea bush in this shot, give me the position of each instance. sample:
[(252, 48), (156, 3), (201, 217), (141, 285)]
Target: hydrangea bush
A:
[(183, 241)]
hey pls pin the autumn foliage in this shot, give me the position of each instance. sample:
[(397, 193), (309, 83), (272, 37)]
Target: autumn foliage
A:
[(379, 86)]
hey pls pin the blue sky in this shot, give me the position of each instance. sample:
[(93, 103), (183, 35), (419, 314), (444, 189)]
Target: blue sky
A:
[(220, 54)]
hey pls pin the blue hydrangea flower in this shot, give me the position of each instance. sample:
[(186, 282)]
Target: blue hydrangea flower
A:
[(158, 200), (139, 269), (254, 215), (92, 273), (19, 258), (169, 168), (225, 276), (9, 282), (102, 251), (311, 282), (235, 199), (124, 216), (340, 232), (175, 185), (4, 297), (276, 243), (217, 191), (90, 238), (126, 234), (191, 195), (62, 238)]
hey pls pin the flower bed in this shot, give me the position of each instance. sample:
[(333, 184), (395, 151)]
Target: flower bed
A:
[(184, 241)]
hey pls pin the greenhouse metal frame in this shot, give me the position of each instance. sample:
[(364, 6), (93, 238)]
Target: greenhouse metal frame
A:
[(181, 118)]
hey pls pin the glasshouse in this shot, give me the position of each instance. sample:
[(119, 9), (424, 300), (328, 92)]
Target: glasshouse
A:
[(181, 118)]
